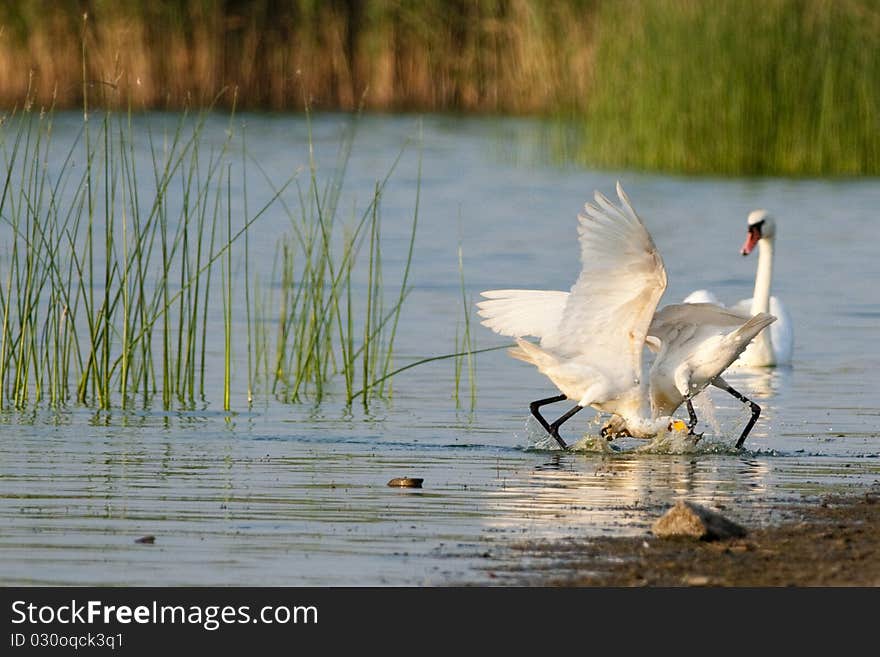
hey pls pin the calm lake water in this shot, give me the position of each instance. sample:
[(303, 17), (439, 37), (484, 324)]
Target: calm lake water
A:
[(278, 494)]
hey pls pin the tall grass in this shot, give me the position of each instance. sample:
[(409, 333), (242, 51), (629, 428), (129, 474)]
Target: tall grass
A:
[(722, 86), (108, 281), (329, 326), (485, 55), (96, 278), (119, 282), (110, 269), (736, 86), (464, 344)]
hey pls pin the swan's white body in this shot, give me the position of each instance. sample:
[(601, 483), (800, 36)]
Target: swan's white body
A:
[(592, 338), (775, 345)]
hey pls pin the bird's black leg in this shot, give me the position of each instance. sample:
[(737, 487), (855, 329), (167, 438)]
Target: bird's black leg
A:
[(535, 405), (554, 428), (693, 419), (756, 410)]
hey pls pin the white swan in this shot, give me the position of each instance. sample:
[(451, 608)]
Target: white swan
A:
[(592, 338), (775, 345)]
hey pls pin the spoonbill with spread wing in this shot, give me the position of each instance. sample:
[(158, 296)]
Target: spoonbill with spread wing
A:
[(592, 338)]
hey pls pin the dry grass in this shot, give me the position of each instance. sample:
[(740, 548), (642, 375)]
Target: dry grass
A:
[(518, 56), (729, 86)]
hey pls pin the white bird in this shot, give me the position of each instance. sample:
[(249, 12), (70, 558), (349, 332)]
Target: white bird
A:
[(775, 345), (696, 339), (592, 338)]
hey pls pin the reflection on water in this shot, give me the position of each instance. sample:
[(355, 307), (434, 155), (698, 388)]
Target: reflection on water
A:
[(275, 494), (250, 508), (761, 382)]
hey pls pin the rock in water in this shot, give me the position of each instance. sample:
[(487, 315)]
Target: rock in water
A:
[(695, 521), (406, 482)]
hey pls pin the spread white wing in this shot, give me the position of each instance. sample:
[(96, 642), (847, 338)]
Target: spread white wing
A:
[(698, 341), (523, 312), (606, 316), (679, 324)]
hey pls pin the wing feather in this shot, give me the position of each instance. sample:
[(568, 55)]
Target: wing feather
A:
[(607, 314), (522, 312), (705, 319)]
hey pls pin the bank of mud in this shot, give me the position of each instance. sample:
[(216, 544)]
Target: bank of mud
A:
[(832, 541)]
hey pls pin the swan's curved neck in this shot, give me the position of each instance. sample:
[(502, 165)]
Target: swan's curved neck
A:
[(761, 298)]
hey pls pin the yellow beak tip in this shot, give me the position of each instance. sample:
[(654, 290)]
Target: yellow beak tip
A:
[(678, 425)]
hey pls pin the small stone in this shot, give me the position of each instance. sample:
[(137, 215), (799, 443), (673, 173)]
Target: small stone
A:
[(692, 520), (149, 539), (406, 482), (696, 580)]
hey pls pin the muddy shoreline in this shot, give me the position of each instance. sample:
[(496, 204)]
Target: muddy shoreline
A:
[(833, 541)]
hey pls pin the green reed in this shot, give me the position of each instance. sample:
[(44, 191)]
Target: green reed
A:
[(723, 86), (464, 346), (93, 277), (116, 246), (734, 86), (335, 318)]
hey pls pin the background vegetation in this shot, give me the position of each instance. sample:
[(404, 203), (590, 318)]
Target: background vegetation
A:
[(727, 86)]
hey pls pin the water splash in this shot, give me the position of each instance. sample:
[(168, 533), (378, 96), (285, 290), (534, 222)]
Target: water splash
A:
[(541, 443), (595, 444), (718, 441), (672, 442), (705, 409), (536, 438)]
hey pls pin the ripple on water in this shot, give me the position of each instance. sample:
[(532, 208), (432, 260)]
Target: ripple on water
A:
[(285, 494)]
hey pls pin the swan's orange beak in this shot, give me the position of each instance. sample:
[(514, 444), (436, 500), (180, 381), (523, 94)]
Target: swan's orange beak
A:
[(752, 238)]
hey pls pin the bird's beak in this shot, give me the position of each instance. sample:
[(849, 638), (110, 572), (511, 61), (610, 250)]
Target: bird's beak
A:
[(752, 238), (677, 425)]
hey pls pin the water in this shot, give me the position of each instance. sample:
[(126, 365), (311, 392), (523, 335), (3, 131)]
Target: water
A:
[(297, 495)]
